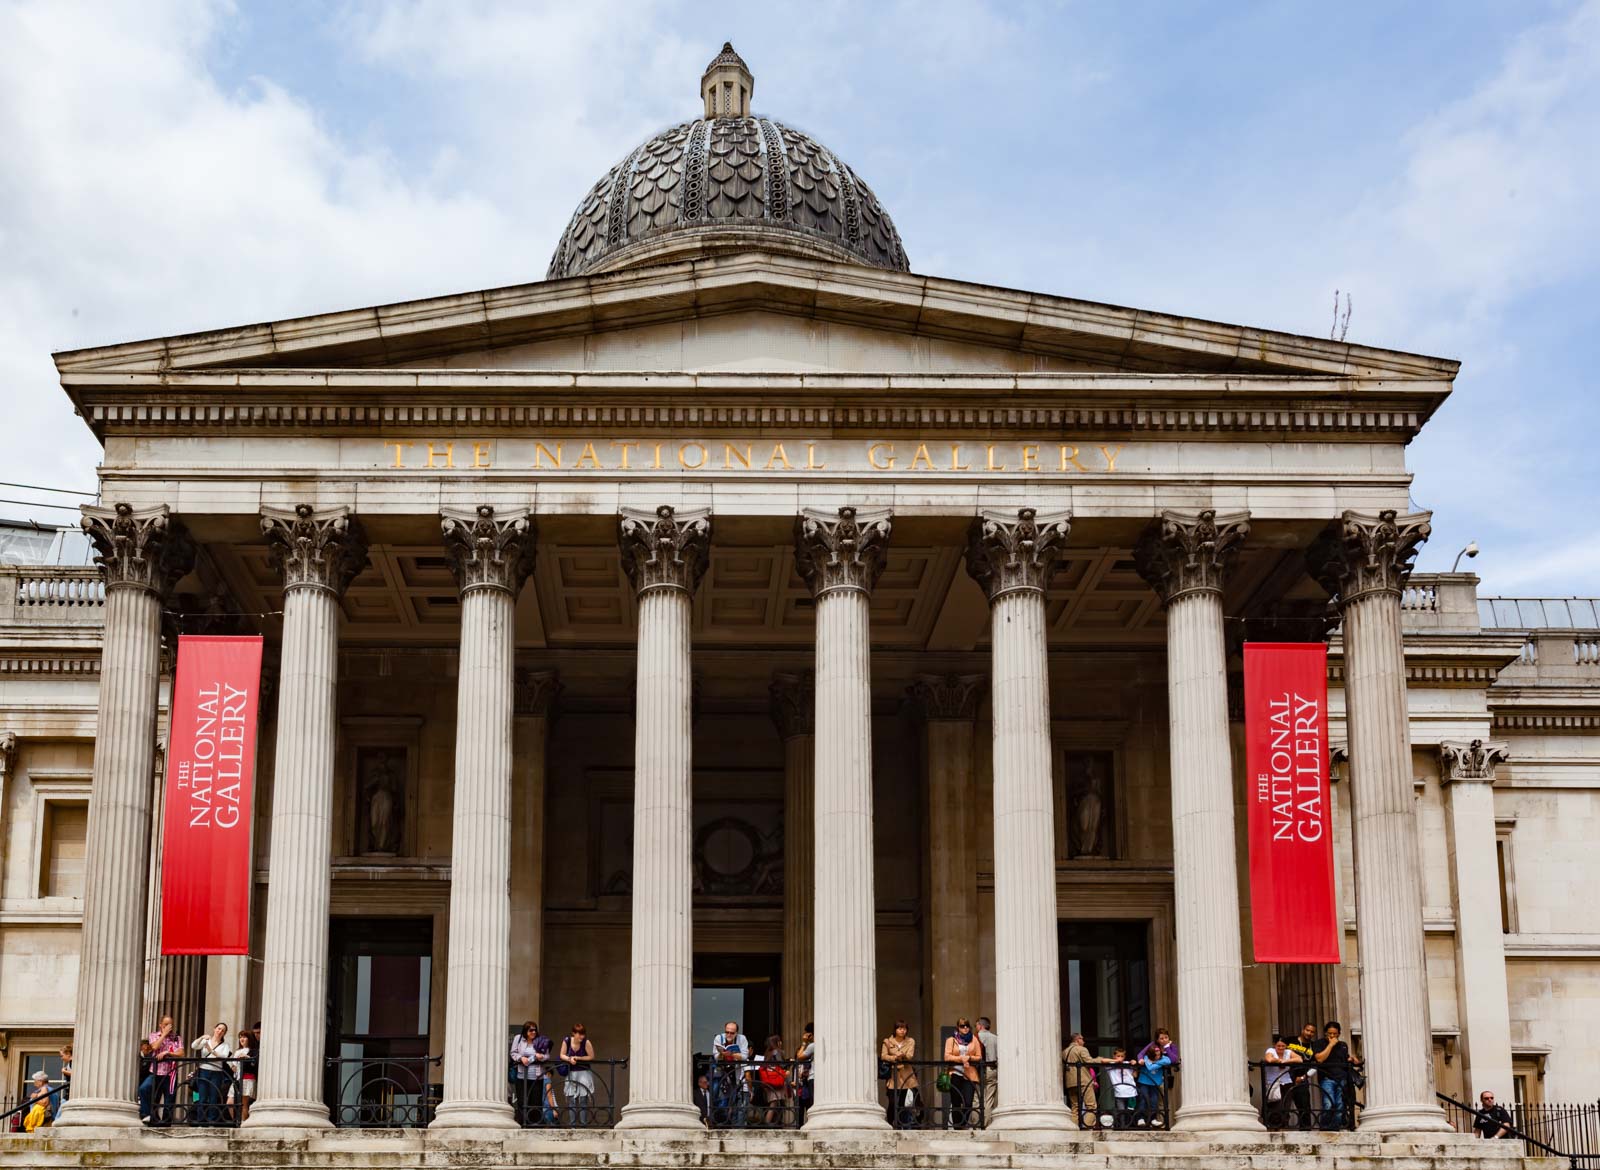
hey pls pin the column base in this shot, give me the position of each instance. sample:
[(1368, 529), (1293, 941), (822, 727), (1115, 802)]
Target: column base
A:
[(473, 1115), (1218, 1117), (844, 1118), (1418, 1118), (668, 1116), (288, 1115), (1047, 1122), (102, 1112)]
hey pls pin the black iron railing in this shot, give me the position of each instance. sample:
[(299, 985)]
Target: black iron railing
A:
[(934, 1094), (568, 1095), (1119, 1094), (14, 1110), (378, 1092), (755, 1093), (1305, 1095), (1570, 1132), (191, 1090)]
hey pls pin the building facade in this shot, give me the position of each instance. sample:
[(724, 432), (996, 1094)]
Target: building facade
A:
[(738, 623)]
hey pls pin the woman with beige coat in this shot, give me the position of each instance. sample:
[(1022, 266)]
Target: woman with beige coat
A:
[(897, 1053)]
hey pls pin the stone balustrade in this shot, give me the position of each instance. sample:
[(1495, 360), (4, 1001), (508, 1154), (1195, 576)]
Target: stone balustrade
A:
[(52, 595)]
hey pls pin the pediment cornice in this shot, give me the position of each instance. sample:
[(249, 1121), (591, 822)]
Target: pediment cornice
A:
[(1098, 335), (1109, 405)]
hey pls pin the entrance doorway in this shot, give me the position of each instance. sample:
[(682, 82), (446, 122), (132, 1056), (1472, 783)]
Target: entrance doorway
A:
[(379, 999), (1105, 983), (746, 988)]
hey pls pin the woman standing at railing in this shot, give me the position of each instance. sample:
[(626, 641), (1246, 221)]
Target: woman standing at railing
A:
[(244, 1075), (772, 1078), (895, 1055), (576, 1054), (39, 1096), (527, 1074), (964, 1054), (212, 1078)]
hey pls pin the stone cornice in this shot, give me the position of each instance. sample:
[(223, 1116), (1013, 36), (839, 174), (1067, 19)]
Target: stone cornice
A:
[(1471, 660), (1124, 338), (1111, 405)]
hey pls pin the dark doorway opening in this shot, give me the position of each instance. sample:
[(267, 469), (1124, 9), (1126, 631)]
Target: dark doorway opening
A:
[(380, 989), (1105, 984), (746, 988)]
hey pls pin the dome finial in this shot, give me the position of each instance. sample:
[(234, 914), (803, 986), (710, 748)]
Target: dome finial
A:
[(727, 85)]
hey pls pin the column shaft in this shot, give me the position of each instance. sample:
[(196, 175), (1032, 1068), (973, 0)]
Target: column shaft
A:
[(476, 1029), (1394, 979), (951, 856), (1216, 1091), (1480, 940), (1026, 948), (846, 946), (659, 1048), (799, 864), (110, 971), (294, 984)]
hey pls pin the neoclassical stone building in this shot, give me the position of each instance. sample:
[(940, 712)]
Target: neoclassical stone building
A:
[(736, 621)]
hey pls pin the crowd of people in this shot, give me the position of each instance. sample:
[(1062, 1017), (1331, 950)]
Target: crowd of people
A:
[(536, 1061), (213, 1086), (1309, 1081)]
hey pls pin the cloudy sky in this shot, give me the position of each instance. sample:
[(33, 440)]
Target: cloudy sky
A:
[(174, 165)]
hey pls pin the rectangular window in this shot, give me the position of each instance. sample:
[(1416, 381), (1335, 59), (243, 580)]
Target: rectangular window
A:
[(1506, 865), (1500, 862), (65, 836)]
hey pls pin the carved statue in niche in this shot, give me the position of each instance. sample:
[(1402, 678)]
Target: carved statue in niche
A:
[(1090, 823), (380, 819)]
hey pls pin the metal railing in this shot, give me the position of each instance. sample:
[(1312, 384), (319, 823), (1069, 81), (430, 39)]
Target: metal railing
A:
[(1571, 1132), (1119, 1094), (14, 1110), (382, 1092), (191, 1090), (1305, 1095), (751, 1094), (568, 1095), (934, 1094)]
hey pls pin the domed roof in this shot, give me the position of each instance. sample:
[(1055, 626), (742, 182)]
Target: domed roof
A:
[(727, 180)]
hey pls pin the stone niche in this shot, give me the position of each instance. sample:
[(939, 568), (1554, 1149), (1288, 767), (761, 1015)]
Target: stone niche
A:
[(380, 809)]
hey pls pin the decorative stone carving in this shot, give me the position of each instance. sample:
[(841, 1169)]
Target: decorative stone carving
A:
[(845, 551), (145, 548), (312, 549), (1361, 554), (794, 704), (1338, 761), (1005, 554), (536, 692), (486, 551), (381, 785), (948, 696), (8, 752), (665, 549), (1186, 552), (1474, 761)]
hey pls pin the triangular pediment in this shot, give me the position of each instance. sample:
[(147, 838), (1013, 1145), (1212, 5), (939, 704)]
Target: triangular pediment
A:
[(756, 310)]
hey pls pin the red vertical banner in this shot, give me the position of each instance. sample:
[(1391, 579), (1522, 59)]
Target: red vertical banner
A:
[(211, 765), (1293, 911)]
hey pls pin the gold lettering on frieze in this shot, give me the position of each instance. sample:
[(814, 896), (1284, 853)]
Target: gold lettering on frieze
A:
[(755, 457)]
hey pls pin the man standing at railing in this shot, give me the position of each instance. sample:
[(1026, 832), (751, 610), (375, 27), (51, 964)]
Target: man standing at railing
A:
[(1307, 1098), (1492, 1121), (991, 1070), (1334, 1062), (1080, 1080), (730, 1053)]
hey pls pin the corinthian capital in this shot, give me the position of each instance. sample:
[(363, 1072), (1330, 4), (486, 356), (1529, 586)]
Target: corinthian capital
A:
[(486, 551), (794, 704), (947, 696), (843, 551), (144, 548), (536, 692), (1475, 761), (1189, 552), (1361, 554), (665, 549), (1005, 554), (316, 550)]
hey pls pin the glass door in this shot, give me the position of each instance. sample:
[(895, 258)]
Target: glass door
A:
[(1105, 984), (381, 976)]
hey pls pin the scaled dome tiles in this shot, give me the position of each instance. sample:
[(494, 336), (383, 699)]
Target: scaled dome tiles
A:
[(747, 173)]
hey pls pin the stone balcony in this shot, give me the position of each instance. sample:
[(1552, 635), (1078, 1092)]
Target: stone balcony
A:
[(51, 595)]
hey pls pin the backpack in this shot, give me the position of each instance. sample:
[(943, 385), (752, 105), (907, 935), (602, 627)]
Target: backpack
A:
[(773, 1074)]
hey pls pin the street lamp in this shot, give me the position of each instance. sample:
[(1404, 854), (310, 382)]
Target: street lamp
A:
[(1470, 551)]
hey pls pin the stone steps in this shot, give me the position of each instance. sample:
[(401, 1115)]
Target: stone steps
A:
[(420, 1150)]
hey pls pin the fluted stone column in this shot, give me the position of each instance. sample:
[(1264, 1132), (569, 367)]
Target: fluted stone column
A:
[(318, 554), (794, 713), (1364, 561), (948, 705), (1467, 771), (534, 708), (1012, 556), (665, 554), (841, 557), (142, 554), (490, 556), (1184, 557)]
